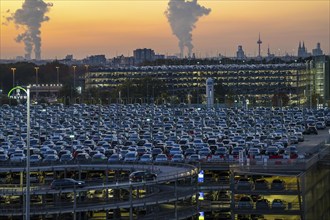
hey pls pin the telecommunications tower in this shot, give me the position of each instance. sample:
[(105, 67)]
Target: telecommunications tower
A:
[(259, 42)]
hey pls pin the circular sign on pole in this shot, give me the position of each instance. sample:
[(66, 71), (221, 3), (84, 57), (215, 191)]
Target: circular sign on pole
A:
[(16, 93)]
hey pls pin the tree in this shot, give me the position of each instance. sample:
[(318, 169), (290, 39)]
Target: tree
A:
[(280, 100), (148, 89), (220, 92)]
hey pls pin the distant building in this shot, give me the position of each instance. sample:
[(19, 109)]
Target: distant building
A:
[(95, 60), (159, 56), (270, 56), (122, 61), (142, 55), (172, 57), (317, 51), (20, 58), (240, 53), (69, 57), (302, 51)]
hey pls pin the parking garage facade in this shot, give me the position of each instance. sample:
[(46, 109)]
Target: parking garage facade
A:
[(257, 82), (180, 192)]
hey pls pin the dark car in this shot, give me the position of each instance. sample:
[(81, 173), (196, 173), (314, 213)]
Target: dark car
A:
[(261, 184), (138, 176), (244, 184), (278, 184), (66, 183), (245, 202), (262, 204), (310, 130)]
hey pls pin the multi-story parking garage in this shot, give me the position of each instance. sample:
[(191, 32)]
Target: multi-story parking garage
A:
[(259, 81), (301, 82), (297, 188), (107, 193)]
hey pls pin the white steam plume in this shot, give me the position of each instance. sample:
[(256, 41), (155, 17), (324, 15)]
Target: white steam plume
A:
[(182, 16), (30, 17)]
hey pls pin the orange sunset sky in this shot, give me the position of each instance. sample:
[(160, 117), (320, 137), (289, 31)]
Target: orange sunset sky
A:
[(115, 27)]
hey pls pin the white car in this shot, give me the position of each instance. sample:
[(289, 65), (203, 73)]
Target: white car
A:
[(17, 158), (145, 158), (131, 156), (178, 158), (161, 158)]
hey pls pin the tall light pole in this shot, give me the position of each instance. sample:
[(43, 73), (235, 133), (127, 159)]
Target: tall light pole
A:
[(58, 74), (13, 69), (27, 212), (86, 66), (87, 76), (74, 77), (37, 69)]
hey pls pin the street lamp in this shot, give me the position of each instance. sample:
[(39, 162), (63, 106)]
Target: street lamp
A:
[(36, 69), (58, 74), (13, 69), (86, 66), (74, 77), (27, 202)]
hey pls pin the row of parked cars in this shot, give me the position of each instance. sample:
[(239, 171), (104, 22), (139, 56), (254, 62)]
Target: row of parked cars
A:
[(246, 202), (150, 133), (136, 176), (260, 184)]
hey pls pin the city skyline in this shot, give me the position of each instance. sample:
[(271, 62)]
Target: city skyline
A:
[(117, 27)]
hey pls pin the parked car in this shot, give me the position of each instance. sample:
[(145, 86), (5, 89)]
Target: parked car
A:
[(35, 158), (131, 156), (49, 158), (66, 158), (320, 125), (161, 158), (278, 184), (310, 130), (178, 158), (245, 202), (115, 158), (99, 157), (300, 136), (66, 183), (83, 157), (4, 157), (17, 158), (244, 184), (156, 151), (272, 151), (139, 176), (221, 151), (194, 158), (278, 204), (262, 204), (146, 158), (261, 184)]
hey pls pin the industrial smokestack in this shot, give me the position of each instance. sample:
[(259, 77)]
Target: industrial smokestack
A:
[(182, 16), (30, 16)]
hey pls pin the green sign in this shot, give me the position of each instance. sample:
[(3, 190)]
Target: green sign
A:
[(18, 94)]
